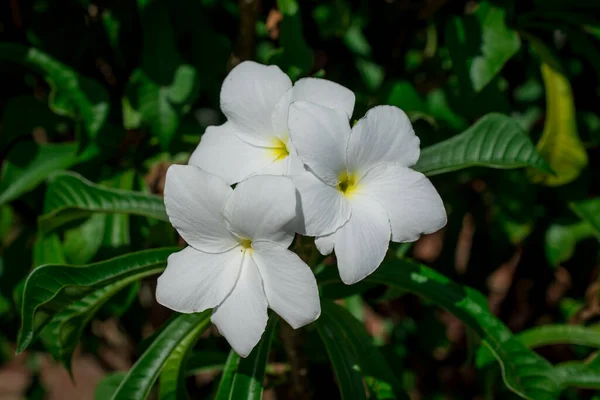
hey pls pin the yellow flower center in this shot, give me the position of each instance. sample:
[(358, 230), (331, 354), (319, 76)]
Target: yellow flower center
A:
[(347, 183), (246, 245), (279, 149)]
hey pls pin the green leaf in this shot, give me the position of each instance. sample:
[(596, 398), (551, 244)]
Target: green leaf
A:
[(579, 374), (73, 94), (139, 380), (560, 240), (373, 366), (83, 242), (480, 45), (71, 197), (549, 335), (29, 164), (287, 7), (524, 372), (164, 87), (108, 385), (225, 383), (172, 376), (48, 249), (589, 211), (343, 360), (495, 141), (560, 144), (248, 379), (51, 289)]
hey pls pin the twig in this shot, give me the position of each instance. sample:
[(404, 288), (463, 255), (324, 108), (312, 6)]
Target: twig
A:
[(246, 42), (292, 344)]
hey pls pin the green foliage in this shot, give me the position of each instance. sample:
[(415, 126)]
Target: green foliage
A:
[(94, 112), (69, 295), (495, 141), (247, 381), (480, 45), (357, 355), (524, 372), (29, 164), (73, 94), (181, 332), (70, 197), (560, 144)]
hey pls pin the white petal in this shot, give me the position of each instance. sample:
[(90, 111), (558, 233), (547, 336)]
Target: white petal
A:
[(278, 167), (279, 117), (325, 244), (325, 93), (194, 200), (289, 284), (221, 152), (361, 244), (323, 209), (384, 134), (410, 200), (195, 281), (248, 96), (261, 207), (295, 166), (242, 317), (314, 90), (320, 136)]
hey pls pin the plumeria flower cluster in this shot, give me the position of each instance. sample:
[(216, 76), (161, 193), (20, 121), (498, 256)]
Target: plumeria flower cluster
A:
[(298, 167)]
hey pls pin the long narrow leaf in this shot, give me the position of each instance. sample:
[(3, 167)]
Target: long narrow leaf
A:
[(138, 382), (344, 362), (50, 289), (373, 365), (248, 379)]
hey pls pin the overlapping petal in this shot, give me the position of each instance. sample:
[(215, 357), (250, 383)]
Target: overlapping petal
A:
[(195, 281), (242, 317), (410, 200), (323, 208), (325, 244), (248, 96), (289, 284), (194, 200), (320, 136), (262, 207), (384, 134), (314, 90), (361, 244), (221, 152)]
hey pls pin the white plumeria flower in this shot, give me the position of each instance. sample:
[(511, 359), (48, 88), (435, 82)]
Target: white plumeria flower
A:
[(237, 260), (360, 191), (255, 99)]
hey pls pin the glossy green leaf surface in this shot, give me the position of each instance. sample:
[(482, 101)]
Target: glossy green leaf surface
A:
[(141, 377), (75, 291), (373, 366), (71, 197), (172, 375), (223, 390), (524, 372), (495, 141), (343, 360), (248, 378)]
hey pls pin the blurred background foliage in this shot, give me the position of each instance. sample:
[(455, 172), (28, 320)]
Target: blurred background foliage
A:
[(115, 91)]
